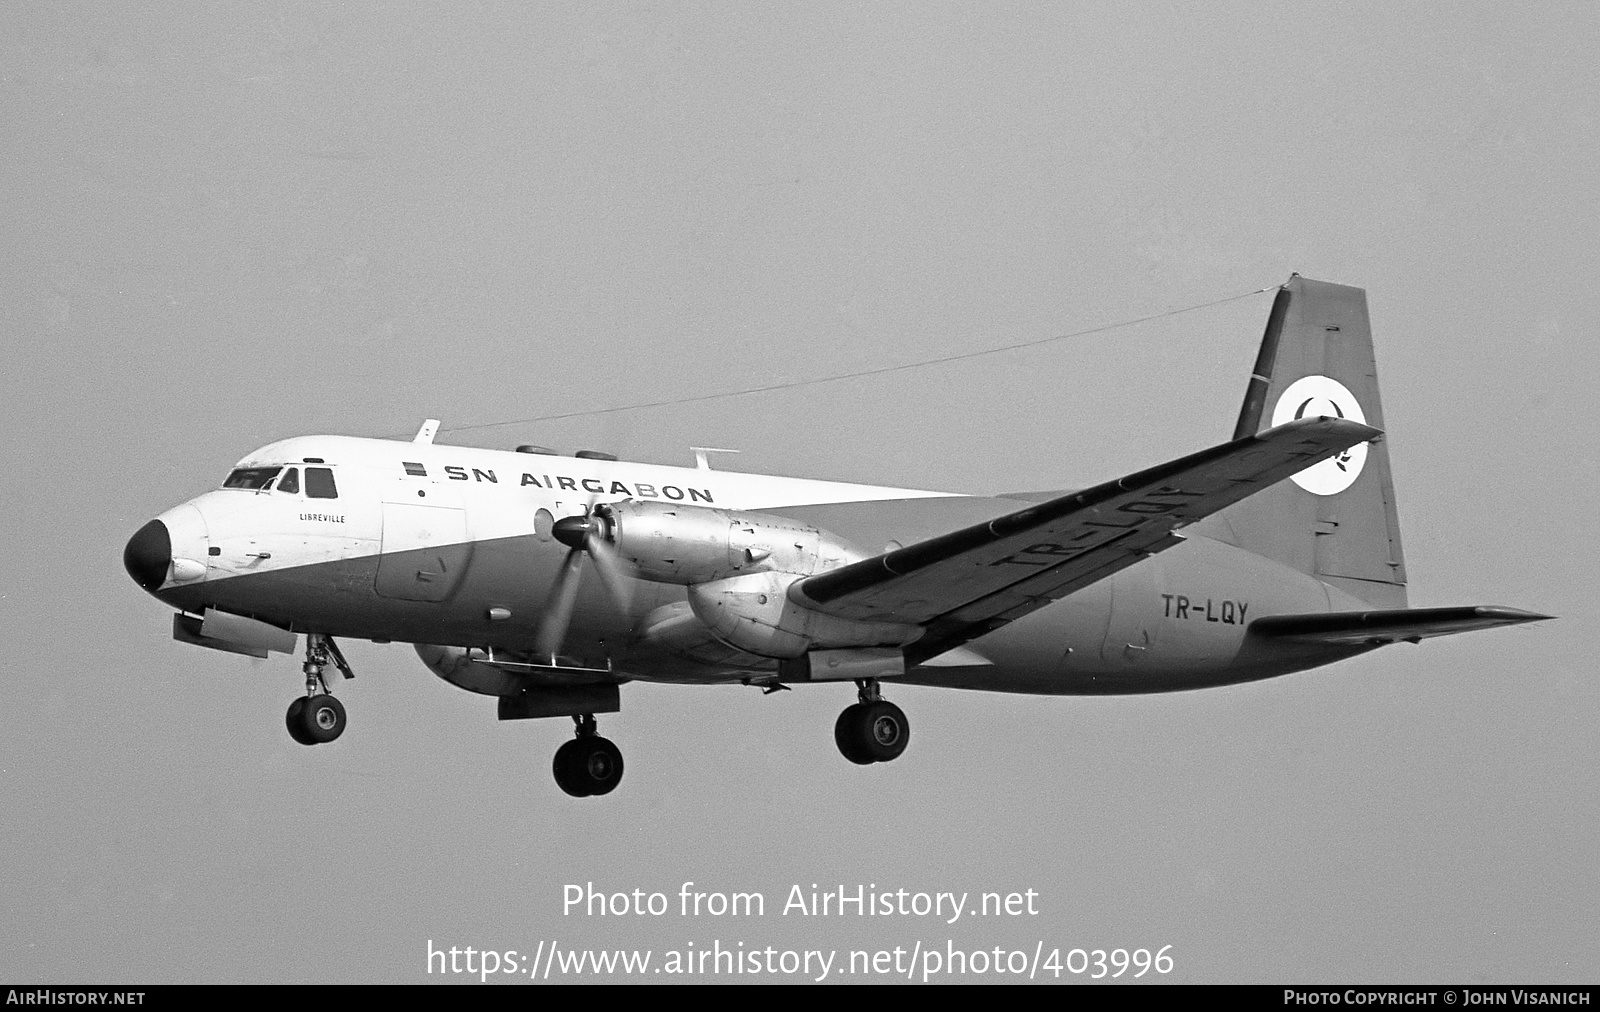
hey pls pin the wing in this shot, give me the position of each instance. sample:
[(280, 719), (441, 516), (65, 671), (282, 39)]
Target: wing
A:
[(1375, 628), (966, 583)]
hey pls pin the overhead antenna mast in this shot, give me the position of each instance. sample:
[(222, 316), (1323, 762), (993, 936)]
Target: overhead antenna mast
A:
[(702, 461)]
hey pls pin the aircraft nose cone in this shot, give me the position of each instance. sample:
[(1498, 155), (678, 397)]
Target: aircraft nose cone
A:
[(148, 555)]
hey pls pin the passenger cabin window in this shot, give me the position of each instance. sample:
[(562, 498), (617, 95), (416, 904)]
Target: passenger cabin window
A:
[(319, 483), (290, 482), (256, 478)]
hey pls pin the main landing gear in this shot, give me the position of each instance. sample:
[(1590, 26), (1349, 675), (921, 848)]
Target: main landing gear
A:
[(873, 730), (317, 717), (588, 764)]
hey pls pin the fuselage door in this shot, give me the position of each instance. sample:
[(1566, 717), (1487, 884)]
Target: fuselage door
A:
[(1135, 611), (425, 551)]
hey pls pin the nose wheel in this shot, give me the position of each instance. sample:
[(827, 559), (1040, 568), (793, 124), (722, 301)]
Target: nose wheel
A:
[(317, 717), (587, 765), (872, 730), (313, 720)]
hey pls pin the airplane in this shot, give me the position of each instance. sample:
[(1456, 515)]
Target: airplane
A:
[(1274, 552)]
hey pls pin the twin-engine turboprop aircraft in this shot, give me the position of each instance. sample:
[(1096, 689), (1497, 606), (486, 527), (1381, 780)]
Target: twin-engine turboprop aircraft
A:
[(1274, 552)]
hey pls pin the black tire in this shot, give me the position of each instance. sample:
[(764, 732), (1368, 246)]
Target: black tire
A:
[(295, 721), (600, 765), (323, 719), (885, 731), (565, 768), (849, 733)]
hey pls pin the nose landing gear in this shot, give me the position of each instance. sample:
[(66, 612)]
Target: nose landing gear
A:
[(873, 730), (588, 764), (317, 717)]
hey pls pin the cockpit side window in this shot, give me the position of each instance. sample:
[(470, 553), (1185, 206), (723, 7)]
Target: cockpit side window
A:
[(256, 478), (319, 483), (290, 482)]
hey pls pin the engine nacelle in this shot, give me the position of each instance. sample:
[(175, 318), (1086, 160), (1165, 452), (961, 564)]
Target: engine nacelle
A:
[(673, 543), (754, 613), (456, 666), (520, 698)]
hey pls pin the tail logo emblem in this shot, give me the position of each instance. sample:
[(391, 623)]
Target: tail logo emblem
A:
[(1313, 396)]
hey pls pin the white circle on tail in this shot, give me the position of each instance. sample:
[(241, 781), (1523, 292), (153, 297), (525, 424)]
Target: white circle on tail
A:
[(1309, 397)]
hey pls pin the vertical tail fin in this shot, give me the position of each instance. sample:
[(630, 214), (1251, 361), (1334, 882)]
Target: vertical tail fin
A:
[(1335, 521)]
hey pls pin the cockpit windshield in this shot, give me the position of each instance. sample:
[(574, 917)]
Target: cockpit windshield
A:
[(251, 477)]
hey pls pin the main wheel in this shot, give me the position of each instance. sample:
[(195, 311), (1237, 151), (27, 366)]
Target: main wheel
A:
[(602, 765), (295, 720), (565, 767), (323, 718), (886, 731), (849, 733), (589, 765)]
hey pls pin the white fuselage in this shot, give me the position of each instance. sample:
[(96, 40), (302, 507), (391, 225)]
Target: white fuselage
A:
[(450, 545)]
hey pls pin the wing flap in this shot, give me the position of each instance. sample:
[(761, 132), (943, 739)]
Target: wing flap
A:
[(1356, 628), (969, 581)]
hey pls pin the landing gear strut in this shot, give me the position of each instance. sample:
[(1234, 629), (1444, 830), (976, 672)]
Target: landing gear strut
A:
[(873, 730), (588, 764), (317, 717)]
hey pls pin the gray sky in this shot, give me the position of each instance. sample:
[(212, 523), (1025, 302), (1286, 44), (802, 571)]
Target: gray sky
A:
[(225, 226)]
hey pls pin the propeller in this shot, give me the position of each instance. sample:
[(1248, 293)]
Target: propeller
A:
[(584, 535)]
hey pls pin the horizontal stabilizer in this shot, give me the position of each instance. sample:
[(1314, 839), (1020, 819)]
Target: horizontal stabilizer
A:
[(1412, 625)]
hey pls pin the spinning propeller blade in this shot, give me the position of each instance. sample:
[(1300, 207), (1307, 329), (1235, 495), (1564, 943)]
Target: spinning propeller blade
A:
[(583, 535), (614, 572), (558, 614)]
